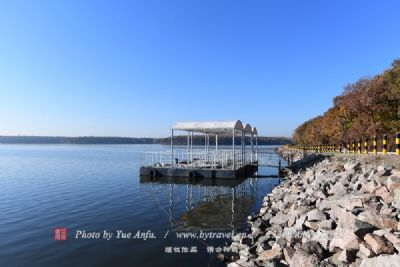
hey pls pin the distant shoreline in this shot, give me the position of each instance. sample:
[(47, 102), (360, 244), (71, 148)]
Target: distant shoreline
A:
[(96, 140)]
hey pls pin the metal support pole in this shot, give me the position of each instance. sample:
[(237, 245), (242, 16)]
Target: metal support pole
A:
[(205, 141), (241, 142), (216, 143), (233, 149), (252, 148), (256, 147), (205, 146), (172, 147), (191, 147), (208, 142), (243, 134), (188, 147)]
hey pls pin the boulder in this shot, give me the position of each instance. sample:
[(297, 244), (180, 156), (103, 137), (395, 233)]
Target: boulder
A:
[(379, 244), (390, 237), (356, 263), (314, 248), (337, 192), (300, 222), (280, 219), (382, 261), (384, 194), (365, 251), (274, 253), (327, 205), (396, 197), (322, 237), (301, 258), (351, 202), (326, 224), (344, 239), (393, 183), (352, 166), (335, 259), (379, 220), (315, 215), (348, 256), (288, 253), (369, 187), (312, 225)]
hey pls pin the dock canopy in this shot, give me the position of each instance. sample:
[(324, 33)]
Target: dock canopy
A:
[(213, 127), (247, 129)]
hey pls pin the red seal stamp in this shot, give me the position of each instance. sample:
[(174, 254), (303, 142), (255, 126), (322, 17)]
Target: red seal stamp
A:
[(60, 233)]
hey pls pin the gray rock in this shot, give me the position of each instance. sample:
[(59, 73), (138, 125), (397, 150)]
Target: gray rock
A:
[(312, 225), (344, 239), (352, 166), (382, 261), (266, 217), (379, 244), (322, 237), (396, 198), (274, 253), (280, 219), (393, 183), (365, 251), (314, 248), (288, 253), (369, 187), (348, 256), (390, 237), (301, 258), (357, 186), (335, 259), (383, 193), (379, 220), (315, 215), (361, 228)]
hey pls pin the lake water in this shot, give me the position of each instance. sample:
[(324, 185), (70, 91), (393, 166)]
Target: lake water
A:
[(97, 188)]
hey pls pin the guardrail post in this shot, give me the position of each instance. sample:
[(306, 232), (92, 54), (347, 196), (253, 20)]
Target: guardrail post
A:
[(366, 146), (374, 146), (397, 143), (384, 150)]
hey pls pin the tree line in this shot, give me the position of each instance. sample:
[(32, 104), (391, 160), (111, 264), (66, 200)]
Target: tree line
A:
[(178, 140), (367, 108)]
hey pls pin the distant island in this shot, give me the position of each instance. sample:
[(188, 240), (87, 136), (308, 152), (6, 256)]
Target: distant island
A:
[(179, 140)]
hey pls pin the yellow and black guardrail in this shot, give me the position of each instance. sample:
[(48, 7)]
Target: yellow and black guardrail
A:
[(359, 146)]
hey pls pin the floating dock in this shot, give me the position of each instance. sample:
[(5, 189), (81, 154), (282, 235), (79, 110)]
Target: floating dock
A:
[(207, 162), (241, 172)]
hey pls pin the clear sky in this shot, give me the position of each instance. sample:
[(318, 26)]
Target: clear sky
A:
[(132, 68)]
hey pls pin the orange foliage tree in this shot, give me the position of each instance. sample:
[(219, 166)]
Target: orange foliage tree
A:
[(369, 107)]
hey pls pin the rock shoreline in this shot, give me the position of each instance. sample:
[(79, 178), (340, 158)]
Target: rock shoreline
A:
[(341, 211)]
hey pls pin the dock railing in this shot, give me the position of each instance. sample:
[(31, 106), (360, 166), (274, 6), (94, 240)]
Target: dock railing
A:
[(221, 159)]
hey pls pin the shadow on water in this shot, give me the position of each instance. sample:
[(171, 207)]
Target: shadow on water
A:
[(210, 204)]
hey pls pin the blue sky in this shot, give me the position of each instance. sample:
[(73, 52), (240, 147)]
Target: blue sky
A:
[(132, 68)]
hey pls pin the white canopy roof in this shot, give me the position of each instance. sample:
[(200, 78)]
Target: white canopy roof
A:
[(216, 127), (247, 128)]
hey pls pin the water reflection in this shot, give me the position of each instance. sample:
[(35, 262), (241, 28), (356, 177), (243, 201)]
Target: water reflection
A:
[(209, 204)]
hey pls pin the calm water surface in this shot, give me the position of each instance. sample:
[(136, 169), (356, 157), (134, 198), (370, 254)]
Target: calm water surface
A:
[(97, 187)]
